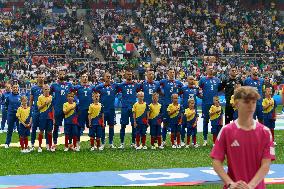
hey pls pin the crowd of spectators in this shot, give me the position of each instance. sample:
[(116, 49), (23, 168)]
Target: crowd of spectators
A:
[(42, 29), (110, 26), (187, 35), (192, 28)]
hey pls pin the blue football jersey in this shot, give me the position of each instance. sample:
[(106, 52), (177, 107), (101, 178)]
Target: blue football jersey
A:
[(84, 96), (129, 93), (169, 87), (189, 93), (59, 92), (36, 91), (257, 84), (108, 93), (149, 88), (4, 97), (209, 86), (13, 102)]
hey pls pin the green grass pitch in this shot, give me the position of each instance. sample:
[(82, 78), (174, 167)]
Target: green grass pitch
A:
[(15, 163)]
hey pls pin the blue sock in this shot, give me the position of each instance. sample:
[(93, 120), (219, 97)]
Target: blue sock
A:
[(55, 133), (164, 133), (122, 133), (133, 134), (111, 134), (103, 135)]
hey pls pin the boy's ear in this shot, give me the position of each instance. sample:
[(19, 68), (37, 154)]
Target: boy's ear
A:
[(236, 103)]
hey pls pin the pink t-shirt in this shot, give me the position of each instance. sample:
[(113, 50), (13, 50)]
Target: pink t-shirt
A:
[(244, 150)]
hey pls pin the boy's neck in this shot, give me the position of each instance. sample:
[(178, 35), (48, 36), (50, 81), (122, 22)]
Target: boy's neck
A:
[(96, 102), (46, 95), (24, 105), (70, 102), (269, 97), (154, 102), (140, 102), (175, 103), (245, 122)]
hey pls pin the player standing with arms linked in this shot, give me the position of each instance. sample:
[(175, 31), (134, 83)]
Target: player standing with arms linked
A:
[(59, 91), (129, 90), (84, 93), (169, 87), (36, 91), (209, 86), (257, 83), (107, 91)]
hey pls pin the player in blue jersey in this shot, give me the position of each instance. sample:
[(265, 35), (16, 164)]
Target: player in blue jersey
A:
[(257, 83), (209, 86), (169, 87), (84, 94), (4, 96), (149, 87), (108, 92), (128, 90), (12, 104), (36, 91), (190, 91), (59, 90)]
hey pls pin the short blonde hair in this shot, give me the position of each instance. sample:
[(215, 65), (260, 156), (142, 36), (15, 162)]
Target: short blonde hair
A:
[(96, 93), (140, 93), (216, 98), (246, 93), (191, 100), (155, 94), (24, 97), (175, 94)]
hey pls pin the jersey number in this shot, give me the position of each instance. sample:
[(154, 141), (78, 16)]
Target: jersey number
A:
[(172, 89), (85, 93), (62, 92), (129, 91), (108, 93), (150, 91)]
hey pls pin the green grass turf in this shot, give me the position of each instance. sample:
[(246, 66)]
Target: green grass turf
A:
[(15, 163)]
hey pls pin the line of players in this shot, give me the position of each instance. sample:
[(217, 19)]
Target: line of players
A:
[(48, 111)]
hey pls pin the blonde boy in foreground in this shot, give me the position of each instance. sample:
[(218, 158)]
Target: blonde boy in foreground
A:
[(247, 145)]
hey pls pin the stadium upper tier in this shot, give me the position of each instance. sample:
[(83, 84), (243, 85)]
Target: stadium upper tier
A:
[(189, 28), (34, 29)]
